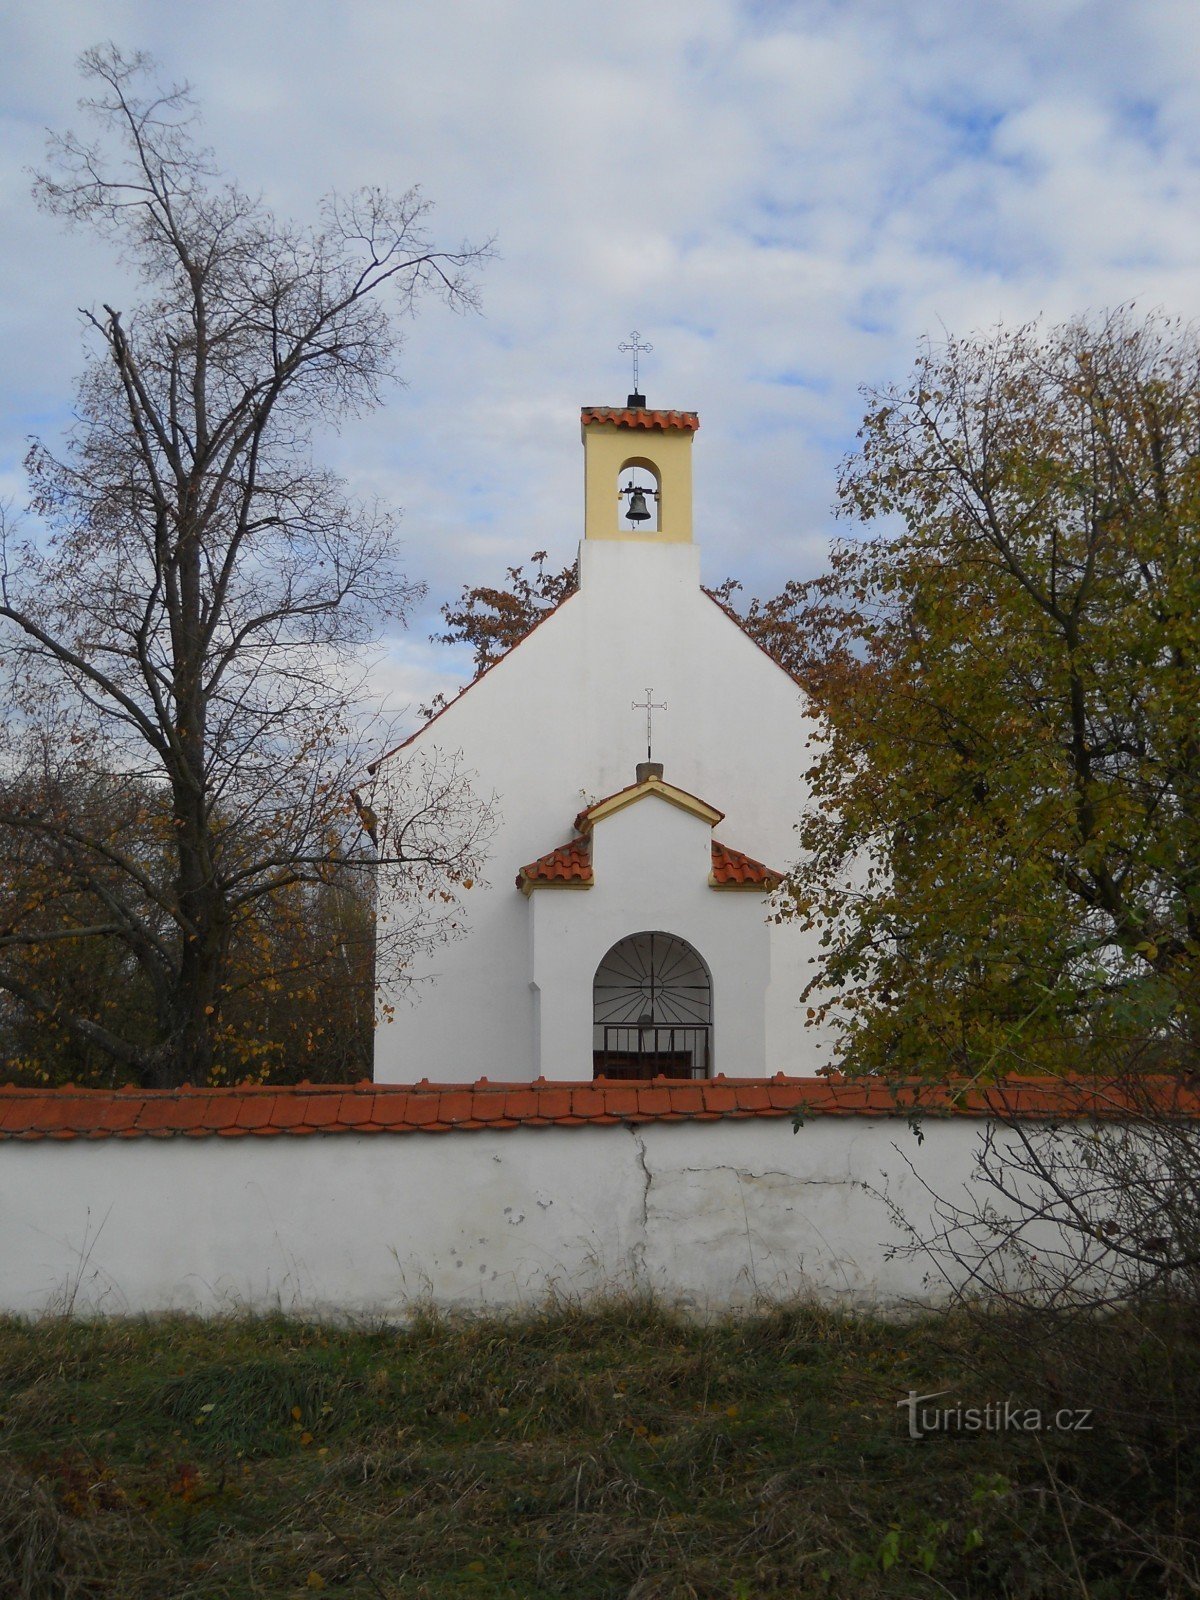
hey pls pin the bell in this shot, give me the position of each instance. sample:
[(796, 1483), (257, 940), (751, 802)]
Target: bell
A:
[(637, 507)]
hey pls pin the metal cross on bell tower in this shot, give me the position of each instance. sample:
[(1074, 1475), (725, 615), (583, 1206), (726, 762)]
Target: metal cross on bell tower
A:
[(636, 345), (649, 705)]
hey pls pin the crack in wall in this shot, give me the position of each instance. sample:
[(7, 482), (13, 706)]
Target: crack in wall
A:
[(638, 1250), (745, 1174)]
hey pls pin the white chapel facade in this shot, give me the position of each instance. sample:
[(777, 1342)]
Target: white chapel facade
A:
[(624, 924)]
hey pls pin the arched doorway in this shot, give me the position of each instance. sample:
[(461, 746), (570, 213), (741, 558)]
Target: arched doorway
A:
[(652, 1010)]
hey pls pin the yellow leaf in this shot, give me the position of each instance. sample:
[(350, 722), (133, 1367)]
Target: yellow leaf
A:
[(296, 1413), (314, 1581), (306, 1438)]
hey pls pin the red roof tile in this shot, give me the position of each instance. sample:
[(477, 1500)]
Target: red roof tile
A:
[(369, 1109), (456, 1107), (569, 863), (158, 1116), (554, 1103), (289, 1110), (587, 1103), (322, 1115), (733, 870), (720, 1097), (192, 1113), (655, 1100), (256, 1112), (389, 1106), (520, 1104), (754, 1097), (641, 417), (421, 1112)]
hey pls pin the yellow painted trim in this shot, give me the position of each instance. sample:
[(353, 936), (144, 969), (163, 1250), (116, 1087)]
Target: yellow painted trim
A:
[(664, 791), (528, 885), (741, 888)]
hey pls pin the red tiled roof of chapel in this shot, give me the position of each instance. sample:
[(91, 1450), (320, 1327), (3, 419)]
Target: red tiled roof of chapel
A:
[(732, 869), (570, 863), (299, 1110), (641, 417)]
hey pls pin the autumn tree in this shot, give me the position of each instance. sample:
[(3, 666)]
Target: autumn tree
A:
[(299, 986), (181, 629), (494, 619), (1004, 857)]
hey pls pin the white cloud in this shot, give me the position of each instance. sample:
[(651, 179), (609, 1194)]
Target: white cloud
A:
[(782, 197)]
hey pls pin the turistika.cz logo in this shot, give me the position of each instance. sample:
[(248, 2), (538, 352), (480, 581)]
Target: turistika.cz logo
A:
[(997, 1416)]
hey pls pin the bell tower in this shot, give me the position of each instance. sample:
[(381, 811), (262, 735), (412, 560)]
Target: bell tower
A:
[(634, 460)]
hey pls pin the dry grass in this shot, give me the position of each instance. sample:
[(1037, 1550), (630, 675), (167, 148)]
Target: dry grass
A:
[(45, 1553), (616, 1452)]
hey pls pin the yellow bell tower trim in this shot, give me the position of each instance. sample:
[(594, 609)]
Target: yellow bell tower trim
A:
[(616, 438)]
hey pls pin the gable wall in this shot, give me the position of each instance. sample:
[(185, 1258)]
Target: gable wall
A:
[(551, 728)]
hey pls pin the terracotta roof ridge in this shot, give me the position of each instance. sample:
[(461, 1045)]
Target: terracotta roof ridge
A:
[(647, 417), (265, 1110)]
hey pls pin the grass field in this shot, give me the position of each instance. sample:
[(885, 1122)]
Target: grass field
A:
[(614, 1451)]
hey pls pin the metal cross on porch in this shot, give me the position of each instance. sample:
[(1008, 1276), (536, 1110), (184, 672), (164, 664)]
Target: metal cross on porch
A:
[(635, 344), (649, 705)]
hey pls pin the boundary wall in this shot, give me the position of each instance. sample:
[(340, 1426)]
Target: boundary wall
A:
[(371, 1199)]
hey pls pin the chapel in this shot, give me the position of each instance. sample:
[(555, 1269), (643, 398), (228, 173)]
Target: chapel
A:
[(647, 759)]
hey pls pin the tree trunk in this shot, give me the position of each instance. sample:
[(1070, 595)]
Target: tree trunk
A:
[(185, 1054)]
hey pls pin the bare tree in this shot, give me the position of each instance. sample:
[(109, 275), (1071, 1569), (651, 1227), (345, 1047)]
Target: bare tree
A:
[(190, 624)]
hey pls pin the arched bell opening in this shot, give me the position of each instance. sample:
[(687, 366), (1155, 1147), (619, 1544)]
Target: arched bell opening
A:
[(652, 1010), (639, 496)]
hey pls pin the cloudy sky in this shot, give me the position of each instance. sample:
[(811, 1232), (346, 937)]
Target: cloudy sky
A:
[(782, 197)]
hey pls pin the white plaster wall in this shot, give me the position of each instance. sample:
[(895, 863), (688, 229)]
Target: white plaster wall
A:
[(707, 1215), (549, 729), (651, 863)]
